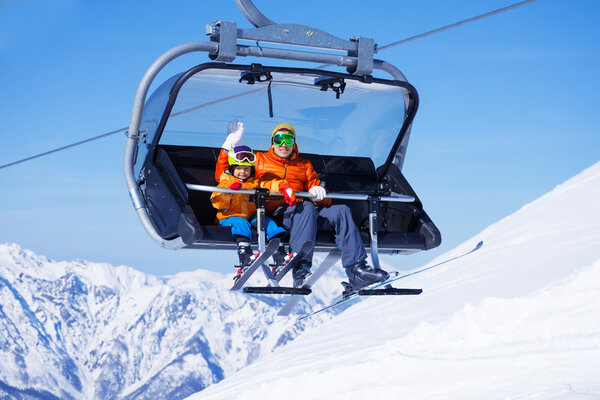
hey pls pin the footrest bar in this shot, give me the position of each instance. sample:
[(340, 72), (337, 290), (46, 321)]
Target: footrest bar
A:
[(388, 292), (276, 290)]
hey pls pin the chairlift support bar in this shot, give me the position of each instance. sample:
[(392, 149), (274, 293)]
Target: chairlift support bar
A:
[(260, 197), (399, 198)]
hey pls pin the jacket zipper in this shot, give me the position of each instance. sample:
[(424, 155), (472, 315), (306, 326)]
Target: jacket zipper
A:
[(284, 169)]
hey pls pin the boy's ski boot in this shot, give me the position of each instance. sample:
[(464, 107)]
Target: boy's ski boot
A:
[(246, 257)]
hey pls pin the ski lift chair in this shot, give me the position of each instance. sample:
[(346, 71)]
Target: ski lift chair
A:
[(356, 144)]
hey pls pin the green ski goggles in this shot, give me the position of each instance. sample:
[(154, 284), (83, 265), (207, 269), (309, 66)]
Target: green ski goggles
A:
[(281, 138)]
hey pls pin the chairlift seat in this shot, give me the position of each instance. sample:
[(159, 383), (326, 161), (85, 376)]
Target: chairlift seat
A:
[(189, 213)]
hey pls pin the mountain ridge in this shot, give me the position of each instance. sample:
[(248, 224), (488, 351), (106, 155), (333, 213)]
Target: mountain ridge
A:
[(114, 332)]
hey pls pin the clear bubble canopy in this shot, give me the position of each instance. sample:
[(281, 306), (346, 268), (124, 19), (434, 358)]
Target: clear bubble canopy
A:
[(350, 118)]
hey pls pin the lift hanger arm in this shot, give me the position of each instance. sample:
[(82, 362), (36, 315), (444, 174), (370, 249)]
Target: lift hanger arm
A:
[(252, 13)]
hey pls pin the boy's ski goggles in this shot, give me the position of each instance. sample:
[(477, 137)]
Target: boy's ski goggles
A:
[(281, 138), (247, 156)]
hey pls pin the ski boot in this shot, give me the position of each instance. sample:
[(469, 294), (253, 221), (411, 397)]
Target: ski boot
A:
[(281, 258), (361, 275), (300, 272), (245, 256)]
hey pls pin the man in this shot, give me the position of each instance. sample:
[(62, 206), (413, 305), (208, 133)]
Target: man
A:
[(302, 219)]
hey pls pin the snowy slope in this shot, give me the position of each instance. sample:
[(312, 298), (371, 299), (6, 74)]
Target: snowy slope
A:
[(84, 330), (519, 319)]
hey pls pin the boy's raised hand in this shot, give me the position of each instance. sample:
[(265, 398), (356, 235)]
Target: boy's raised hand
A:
[(235, 132), (288, 194), (235, 186)]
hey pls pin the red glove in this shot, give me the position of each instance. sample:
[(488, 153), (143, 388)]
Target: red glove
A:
[(288, 194), (235, 186)]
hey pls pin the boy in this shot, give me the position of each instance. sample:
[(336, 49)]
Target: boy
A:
[(238, 212)]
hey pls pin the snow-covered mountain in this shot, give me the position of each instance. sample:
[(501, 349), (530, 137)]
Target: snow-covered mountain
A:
[(519, 319), (82, 330)]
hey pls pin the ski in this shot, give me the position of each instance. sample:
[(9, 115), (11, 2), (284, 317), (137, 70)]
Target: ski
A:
[(333, 257), (260, 260), (298, 257), (388, 282)]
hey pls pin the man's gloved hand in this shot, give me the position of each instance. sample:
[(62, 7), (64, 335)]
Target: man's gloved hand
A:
[(235, 186), (288, 194), (317, 192), (235, 131)]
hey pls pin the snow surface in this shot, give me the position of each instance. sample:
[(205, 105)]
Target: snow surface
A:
[(519, 319)]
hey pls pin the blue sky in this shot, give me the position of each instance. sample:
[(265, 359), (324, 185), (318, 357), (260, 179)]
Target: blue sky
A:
[(508, 110)]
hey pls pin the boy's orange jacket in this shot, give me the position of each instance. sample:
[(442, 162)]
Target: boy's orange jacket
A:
[(297, 171), (239, 205)]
